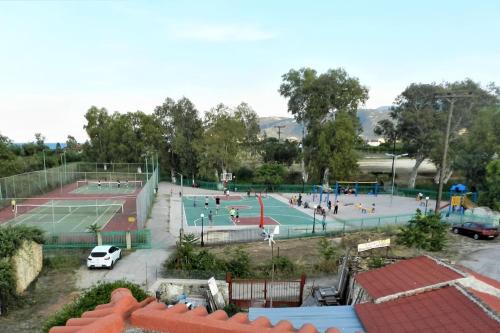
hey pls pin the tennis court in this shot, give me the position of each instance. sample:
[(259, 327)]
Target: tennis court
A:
[(276, 212), (67, 215), (106, 187)]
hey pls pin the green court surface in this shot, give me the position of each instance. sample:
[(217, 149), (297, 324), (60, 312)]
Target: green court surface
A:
[(105, 188), (275, 211), (67, 215)]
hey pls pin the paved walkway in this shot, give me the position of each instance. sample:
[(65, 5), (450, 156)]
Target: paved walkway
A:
[(141, 266)]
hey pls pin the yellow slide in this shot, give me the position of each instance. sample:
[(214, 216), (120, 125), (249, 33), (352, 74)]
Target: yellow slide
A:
[(468, 204)]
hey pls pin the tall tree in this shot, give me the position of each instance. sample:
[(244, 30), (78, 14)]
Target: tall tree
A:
[(98, 131), (248, 116), (491, 193), (315, 101), (223, 138), (181, 129)]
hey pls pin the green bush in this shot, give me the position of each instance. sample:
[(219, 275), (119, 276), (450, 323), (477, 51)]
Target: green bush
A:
[(376, 262), (424, 232), (232, 309), (98, 294), (328, 254), (283, 267), (239, 264)]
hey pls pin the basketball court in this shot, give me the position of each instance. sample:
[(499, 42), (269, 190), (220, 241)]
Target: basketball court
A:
[(276, 212)]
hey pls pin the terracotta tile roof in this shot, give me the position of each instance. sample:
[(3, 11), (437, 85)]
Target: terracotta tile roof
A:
[(109, 318), (405, 275), (492, 282), (124, 312), (442, 310), (491, 301)]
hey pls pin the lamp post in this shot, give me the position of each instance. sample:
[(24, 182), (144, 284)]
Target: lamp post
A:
[(234, 181), (314, 219), (395, 157), (181, 230), (202, 242), (426, 203)]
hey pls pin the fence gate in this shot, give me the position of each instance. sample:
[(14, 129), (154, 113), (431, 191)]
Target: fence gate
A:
[(247, 293)]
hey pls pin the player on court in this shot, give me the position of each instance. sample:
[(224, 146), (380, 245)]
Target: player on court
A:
[(99, 184), (118, 181), (206, 202), (237, 215), (217, 205), (13, 204)]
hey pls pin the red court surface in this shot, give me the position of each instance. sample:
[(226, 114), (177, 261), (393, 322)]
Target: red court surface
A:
[(256, 221), (119, 222)]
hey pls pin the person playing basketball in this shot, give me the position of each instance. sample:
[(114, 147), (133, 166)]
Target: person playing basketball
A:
[(217, 205), (237, 215), (206, 202), (118, 183), (99, 184)]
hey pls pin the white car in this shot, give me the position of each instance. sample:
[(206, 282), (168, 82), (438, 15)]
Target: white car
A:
[(104, 256)]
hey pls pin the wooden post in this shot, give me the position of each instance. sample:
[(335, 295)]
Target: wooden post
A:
[(302, 284)]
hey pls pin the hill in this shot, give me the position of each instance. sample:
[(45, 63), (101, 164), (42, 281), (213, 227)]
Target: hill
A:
[(293, 130)]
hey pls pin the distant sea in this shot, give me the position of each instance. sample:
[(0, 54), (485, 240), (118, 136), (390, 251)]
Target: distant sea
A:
[(51, 145)]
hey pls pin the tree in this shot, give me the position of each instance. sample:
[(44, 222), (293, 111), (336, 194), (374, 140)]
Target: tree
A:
[(425, 232), (477, 146), (72, 144), (491, 194), (248, 116), (181, 129), (270, 174), (98, 130), (222, 140), (285, 152), (316, 101)]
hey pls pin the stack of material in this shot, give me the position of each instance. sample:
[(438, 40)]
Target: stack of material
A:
[(327, 296)]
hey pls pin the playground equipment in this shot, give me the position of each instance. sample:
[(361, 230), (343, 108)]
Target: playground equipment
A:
[(355, 188), (459, 200)]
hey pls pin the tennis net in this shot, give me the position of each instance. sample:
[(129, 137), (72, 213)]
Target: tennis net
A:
[(110, 184), (52, 208)]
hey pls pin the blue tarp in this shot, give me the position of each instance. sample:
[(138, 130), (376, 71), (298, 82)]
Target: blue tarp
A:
[(343, 318)]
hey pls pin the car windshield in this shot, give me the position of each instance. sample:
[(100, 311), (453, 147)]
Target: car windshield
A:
[(98, 254)]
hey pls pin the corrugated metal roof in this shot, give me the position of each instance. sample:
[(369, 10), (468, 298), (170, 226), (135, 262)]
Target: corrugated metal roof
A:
[(343, 318)]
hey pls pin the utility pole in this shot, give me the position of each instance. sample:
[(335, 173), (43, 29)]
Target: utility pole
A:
[(451, 98), (279, 127)]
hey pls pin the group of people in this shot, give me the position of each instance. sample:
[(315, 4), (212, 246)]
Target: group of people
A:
[(233, 213)]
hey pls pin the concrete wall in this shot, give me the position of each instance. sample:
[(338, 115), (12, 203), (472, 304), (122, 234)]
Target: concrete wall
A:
[(170, 289), (27, 262)]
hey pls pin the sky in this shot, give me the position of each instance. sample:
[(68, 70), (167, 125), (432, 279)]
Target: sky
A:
[(58, 58)]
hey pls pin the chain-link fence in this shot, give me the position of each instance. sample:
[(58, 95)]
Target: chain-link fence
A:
[(341, 226), (31, 184), (145, 198)]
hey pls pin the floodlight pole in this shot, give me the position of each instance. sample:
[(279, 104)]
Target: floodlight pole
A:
[(394, 158), (202, 241), (314, 219), (45, 168), (181, 230)]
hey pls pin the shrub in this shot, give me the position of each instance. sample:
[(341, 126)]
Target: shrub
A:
[(232, 309), (376, 262), (239, 263), (98, 294), (329, 256), (424, 232)]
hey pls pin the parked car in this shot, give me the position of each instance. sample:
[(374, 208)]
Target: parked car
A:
[(476, 230), (104, 256)]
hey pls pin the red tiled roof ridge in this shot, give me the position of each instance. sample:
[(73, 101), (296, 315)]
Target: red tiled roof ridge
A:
[(123, 309), (479, 302), (486, 299), (407, 277), (446, 309)]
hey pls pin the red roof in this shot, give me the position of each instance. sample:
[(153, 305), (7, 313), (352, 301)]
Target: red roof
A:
[(405, 275), (124, 311), (441, 310)]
